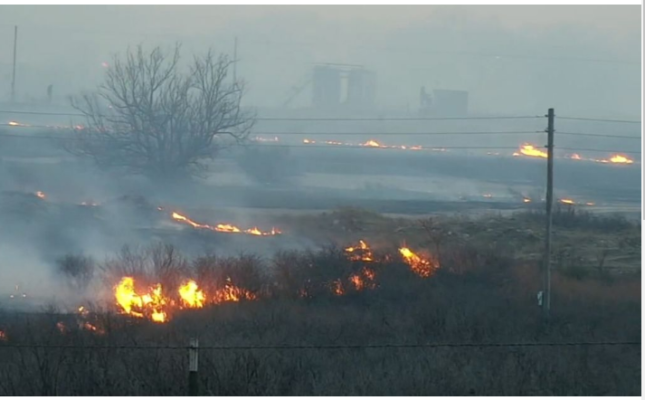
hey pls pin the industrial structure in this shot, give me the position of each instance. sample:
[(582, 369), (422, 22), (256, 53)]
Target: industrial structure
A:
[(338, 87)]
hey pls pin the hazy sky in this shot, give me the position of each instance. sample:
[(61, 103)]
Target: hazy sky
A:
[(585, 59)]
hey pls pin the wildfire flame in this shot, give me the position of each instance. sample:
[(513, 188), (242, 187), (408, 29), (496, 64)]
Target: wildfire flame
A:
[(575, 156), (362, 252), (191, 296), (40, 195), (14, 123), (372, 143), (157, 306), (531, 151), (149, 304), (226, 228), (620, 159), (567, 201), (307, 141), (421, 266), (526, 200)]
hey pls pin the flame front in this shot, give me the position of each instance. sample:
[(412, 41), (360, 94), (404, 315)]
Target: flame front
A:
[(620, 159), (191, 296), (567, 201), (226, 228), (421, 266), (148, 304), (40, 195), (362, 252), (531, 151)]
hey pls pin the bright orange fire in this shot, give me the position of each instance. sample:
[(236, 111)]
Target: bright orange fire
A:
[(372, 143), (531, 151), (362, 252), (307, 141), (421, 266), (191, 296), (149, 304), (40, 195), (364, 279), (620, 159), (14, 123), (526, 200), (575, 156), (567, 201), (156, 305), (227, 228)]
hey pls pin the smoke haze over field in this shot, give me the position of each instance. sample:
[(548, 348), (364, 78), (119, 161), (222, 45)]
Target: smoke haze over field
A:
[(512, 59)]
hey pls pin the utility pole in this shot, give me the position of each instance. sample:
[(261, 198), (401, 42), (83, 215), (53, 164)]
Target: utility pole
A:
[(546, 302), (193, 366), (235, 61), (13, 75)]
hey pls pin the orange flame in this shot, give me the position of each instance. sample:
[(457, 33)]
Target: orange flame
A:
[(14, 123), (191, 296), (372, 143), (531, 151), (526, 200), (131, 303), (567, 201), (40, 195), (575, 156), (362, 252), (620, 159), (232, 293), (422, 267), (307, 141), (226, 228)]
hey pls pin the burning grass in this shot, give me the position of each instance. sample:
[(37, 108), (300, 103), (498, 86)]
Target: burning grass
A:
[(486, 302)]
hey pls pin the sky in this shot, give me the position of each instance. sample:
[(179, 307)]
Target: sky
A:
[(511, 59)]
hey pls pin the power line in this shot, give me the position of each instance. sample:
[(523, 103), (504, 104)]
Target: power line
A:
[(328, 347), (601, 120), (600, 150), (304, 134), (598, 135), (315, 118)]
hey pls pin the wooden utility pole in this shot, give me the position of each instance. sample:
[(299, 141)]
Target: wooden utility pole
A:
[(13, 75), (193, 365), (546, 301)]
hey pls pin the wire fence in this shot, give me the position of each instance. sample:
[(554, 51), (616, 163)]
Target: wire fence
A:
[(328, 346)]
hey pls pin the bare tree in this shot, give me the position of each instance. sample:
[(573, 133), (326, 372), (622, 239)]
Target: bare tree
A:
[(154, 118)]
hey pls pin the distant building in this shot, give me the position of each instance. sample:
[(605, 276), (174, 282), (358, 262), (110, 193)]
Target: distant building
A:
[(326, 87), (343, 87)]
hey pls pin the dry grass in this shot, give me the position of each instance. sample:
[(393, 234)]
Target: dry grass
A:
[(484, 292)]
